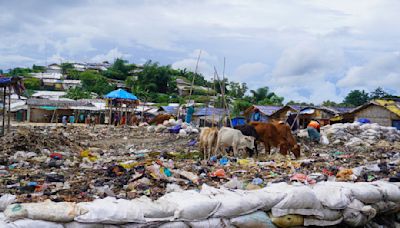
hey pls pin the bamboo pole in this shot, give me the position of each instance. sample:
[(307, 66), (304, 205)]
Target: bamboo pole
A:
[(194, 76), (4, 111)]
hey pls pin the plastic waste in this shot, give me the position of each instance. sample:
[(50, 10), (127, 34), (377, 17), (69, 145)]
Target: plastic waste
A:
[(223, 161)]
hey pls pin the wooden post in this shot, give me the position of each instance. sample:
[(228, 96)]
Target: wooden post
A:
[(195, 72), (4, 111), (9, 110)]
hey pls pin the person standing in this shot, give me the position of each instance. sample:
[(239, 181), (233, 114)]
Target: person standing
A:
[(72, 119), (116, 119), (256, 116), (64, 120), (189, 114)]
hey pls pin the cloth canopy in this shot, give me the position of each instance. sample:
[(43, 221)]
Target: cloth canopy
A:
[(121, 94)]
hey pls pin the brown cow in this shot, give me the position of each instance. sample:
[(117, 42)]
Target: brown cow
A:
[(284, 130), (159, 119), (270, 136), (134, 120)]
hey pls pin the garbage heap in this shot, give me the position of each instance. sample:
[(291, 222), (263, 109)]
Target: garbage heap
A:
[(373, 204), (356, 134)]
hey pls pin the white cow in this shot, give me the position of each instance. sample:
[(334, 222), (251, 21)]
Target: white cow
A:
[(232, 137)]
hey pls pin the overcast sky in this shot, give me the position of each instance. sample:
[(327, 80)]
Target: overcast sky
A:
[(305, 50)]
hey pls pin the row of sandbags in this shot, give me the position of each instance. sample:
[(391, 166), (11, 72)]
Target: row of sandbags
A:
[(323, 204), (174, 126)]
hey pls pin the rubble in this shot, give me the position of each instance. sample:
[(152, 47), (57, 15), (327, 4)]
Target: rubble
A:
[(80, 164)]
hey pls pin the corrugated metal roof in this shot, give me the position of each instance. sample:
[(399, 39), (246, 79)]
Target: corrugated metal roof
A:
[(58, 103), (268, 110), (391, 105)]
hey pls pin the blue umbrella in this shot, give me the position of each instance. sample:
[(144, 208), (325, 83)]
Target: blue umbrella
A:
[(121, 94)]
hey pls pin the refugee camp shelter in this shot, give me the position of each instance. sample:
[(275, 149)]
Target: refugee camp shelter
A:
[(266, 111), (209, 116), (172, 110), (121, 103), (385, 112), (281, 114), (51, 111)]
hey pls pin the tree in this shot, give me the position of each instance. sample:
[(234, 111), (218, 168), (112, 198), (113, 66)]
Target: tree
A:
[(38, 69), (32, 83), (94, 82), (356, 98), (78, 93), (299, 103), (240, 106), (66, 67), (237, 90), (329, 103), (119, 70), (378, 93)]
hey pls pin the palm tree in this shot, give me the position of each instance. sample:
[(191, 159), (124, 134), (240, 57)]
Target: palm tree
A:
[(261, 94)]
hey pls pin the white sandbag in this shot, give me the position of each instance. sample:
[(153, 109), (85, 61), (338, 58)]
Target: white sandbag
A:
[(268, 198), (366, 193), (47, 211), (3, 222), (82, 225), (385, 207), (136, 225), (155, 210), (182, 133), (110, 211), (234, 203), (30, 223), (258, 219), (174, 225), (210, 223), (192, 206), (333, 197), (310, 221), (391, 192), (151, 129), (299, 200), (357, 214), (160, 128), (6, 200)]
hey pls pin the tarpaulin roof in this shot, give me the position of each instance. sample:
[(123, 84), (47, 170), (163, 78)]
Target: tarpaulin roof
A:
[(5, 81), (121, 94), (268, 110), (209, 111), (170, 109)]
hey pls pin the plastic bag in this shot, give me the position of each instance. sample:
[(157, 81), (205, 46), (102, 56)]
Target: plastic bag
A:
[(288, 220), (324, 140), (357, 214)]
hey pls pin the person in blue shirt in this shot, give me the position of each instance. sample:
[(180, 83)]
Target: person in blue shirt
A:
[(256, 116), (72, 119), (189, 114)]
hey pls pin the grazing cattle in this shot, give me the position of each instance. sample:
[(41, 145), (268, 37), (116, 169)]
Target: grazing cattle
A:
[(284, 131), (270, 136), (277, 135), (208, 139), (134, 120), (249, 130), (159, 119), (232, 137)]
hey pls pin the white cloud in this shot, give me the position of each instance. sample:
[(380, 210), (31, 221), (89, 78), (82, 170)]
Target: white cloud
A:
[(13, 60), (110, 56), (383, 71)]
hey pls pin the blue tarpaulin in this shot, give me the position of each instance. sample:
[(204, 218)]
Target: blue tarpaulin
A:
[(121, 94), (5, 81)]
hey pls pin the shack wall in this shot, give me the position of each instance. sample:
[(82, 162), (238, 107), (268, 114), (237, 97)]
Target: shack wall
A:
[(377, 114)]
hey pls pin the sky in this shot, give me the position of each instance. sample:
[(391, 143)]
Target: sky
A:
[(304, 50)]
